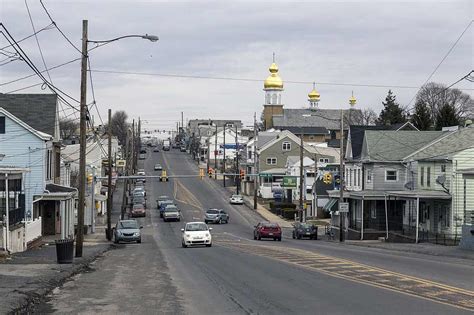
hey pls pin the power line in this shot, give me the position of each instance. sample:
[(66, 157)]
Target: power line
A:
[(443, 59), (48, 27)]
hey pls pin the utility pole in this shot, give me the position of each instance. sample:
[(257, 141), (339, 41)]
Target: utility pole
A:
[(82, 144), (139, 133), (315, 193), (133, 148), (237, 160), (223, 164), (215, 156), (125, 182), (255, 161), (341, 178), (109, 180), (301, 177), (7, 214), (93, 212), (182, 121)]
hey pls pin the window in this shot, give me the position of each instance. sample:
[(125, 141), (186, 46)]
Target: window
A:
[(428, 176), (422, 176), (326, 160), (443, 168), (391, 176), (49, 169), (350, 177), (358, 177), (369, 176), (2, 125), (271, 161), (286, 146)]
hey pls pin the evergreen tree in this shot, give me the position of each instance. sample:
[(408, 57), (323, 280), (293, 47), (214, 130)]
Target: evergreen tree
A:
[(446, 117), (391, 113), (421, 118)]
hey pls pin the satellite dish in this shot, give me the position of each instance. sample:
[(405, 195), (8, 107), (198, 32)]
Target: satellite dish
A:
[(409, 185), (441, 179)]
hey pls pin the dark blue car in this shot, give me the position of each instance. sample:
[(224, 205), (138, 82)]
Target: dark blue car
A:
[(163, 205)]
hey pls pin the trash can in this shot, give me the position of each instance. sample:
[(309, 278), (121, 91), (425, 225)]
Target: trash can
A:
[(65, 251)]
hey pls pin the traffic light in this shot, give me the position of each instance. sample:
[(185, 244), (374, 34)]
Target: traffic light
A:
[(242, 174), (201, 173), (337, 181), (210, 172), (90, 178), (327, 178)]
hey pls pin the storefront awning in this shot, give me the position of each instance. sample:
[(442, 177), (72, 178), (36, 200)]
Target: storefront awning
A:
[(330, 204)]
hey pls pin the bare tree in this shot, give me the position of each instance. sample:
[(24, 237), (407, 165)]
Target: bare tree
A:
[(68, 128), (369, 117), (436, 95), (119, 126)]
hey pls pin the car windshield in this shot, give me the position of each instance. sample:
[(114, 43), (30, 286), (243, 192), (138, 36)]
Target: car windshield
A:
[(196, 227), (305, 226), (171, 209), (270, 225), (138, 206), (162, 198), (128, 225), (212, 211), (236, 196)]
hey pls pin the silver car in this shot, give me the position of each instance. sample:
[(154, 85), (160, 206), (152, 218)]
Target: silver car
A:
[(127, 231), (171, 213), (216, 216)]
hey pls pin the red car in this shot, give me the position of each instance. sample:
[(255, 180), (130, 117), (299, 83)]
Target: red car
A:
[(267, 230), (138, 210)]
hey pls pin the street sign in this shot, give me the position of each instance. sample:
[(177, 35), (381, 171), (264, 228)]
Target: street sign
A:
[(289, 181), (343, 207), (265, 175)]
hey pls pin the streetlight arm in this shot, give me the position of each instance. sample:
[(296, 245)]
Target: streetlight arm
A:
[(152, 38)]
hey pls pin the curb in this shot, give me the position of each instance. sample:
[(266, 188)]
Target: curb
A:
[(27, 304)]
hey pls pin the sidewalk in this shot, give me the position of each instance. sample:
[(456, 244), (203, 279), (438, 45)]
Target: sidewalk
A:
[(27, 277), (265, 213), (420, 248)]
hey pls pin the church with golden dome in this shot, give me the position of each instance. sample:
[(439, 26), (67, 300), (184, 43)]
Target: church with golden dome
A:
[(315, 124)]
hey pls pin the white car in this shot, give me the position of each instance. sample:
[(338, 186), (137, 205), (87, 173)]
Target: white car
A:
[(236, 200), (141, 172), (196, 233)]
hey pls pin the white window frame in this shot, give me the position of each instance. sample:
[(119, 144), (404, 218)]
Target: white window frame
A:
[(422, 176), (49, 165), (271, 160), (369, 176), (391, 180), (286, 144)]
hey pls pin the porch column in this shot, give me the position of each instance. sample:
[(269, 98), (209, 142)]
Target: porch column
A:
[(7, 218), (417, 218), (362, 225), (62, 211), (386, 218)]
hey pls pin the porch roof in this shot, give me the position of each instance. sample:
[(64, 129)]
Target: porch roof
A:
[(422, 194), (368, 194), (275, 171), (335, 194), (58, 196), (100, 197), (467, 171)]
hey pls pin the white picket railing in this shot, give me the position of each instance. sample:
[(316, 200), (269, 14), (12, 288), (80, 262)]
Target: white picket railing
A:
[(32, 230)]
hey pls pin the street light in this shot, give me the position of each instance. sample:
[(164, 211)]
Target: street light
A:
[(82, 145)]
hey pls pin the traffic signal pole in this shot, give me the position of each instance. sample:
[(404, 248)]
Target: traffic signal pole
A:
[(341, 179)]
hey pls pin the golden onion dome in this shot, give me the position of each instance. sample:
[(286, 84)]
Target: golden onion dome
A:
[(314, 95), (273, 81), (352, 100)]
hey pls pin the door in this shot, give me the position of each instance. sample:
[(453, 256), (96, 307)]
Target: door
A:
[(48, 217)]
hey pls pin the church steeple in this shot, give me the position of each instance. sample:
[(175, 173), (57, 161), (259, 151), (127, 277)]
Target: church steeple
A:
[(273, 85), (313, 97)]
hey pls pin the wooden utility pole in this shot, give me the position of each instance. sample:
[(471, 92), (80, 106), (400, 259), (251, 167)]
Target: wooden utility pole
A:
[(223, 161), (301, 177), (125, 182), (237, 160), (109, 180), (215, 156), (315, 192), (255, 161), (139, 133), (133, 148), (82, 144), (341, 179)]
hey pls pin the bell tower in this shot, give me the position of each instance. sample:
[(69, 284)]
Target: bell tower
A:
[(273, 87)]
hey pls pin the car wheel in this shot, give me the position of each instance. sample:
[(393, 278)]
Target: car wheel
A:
[(116, 240), (259, 237), (220, 221), (208, 245), (179, 220), (254, 237), (293, 235), (298, 236), (274, 239), (205, 221), (183, 245), (279, 239), (139, 241)]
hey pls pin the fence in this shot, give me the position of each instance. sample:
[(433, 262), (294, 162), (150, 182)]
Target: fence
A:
[(32, 230)]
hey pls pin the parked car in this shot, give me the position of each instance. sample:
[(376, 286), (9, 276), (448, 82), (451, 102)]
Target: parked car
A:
[(127, 231), (301, 230), (140, 189), (138, 210), (171, 213), (163, 205), (158, 167), (142, 156), (161, 199), (267, 230), (236, 200), (141, 172), (182, 149), (196, 233), (138, 193), (138, 200), (216, 216)]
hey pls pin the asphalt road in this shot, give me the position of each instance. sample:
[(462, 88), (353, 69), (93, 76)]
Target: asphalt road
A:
[(241, 276)]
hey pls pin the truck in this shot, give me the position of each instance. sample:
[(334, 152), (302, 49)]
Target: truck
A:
[(166, 145)]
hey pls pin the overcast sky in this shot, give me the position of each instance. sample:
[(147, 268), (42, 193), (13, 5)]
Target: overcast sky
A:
[(351, 42)]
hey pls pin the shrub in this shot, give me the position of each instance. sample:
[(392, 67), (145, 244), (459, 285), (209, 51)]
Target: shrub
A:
[(288, 213)]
